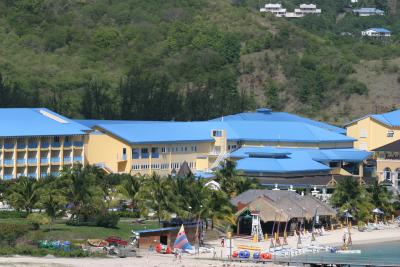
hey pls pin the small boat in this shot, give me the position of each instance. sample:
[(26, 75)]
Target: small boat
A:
[(351, 251), (97, 242)]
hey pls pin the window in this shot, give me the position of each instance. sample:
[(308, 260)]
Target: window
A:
[(363, 146), (194, 148), (56, 139), (135, 153), (363, 133), (217, 133), (390, 133), (163, 149), (145, 153), (164, 166), (145, 167), (387, 174), (186, 149), (136, 167), (124, 151), (155, 166), (154, 152), (67, 139)]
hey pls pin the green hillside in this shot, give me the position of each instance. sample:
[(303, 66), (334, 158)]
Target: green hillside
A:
[(191, 59)]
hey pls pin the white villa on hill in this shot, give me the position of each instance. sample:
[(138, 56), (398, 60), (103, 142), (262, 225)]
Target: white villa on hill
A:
[(376, 32), (303, 10)]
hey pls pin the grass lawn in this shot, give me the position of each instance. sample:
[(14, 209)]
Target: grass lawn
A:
[(61, 231)]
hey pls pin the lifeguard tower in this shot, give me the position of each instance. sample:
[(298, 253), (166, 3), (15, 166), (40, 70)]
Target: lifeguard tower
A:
[(256, 230)]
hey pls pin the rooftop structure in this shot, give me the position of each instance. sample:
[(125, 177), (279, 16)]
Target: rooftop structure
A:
[(37, 142)]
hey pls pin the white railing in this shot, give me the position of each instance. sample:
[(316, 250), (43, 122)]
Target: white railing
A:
[(219, 159)]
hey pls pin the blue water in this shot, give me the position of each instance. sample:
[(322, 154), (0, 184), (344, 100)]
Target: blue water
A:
[(374, 254)]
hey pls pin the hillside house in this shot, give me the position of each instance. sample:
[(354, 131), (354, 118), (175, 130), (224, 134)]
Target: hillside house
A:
[(368, 11), (275, 9), (376, 32)]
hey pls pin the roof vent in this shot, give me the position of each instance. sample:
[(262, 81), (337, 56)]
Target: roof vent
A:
[(52, 116), (264, 110)]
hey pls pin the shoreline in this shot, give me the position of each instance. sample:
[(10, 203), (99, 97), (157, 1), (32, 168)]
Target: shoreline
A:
[(158, 260)]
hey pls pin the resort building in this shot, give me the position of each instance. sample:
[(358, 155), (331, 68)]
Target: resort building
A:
[(266, 144), (376, 32), (380, 133), (306, 9), (375, 130), (37, 142), (388, 164), (368, 11)]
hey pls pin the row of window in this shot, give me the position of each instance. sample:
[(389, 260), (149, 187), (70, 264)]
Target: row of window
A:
[(364, 133), (161, 166), (143, 153)]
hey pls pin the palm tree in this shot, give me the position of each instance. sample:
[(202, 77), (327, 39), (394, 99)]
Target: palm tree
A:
[(130, 187), (53, 197), (24, 194), (82, 193), (350, 195), (155, 195), (381, 198)]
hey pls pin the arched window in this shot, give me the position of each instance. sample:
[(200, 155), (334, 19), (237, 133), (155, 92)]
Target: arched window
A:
[(387, 174), (398, 177)]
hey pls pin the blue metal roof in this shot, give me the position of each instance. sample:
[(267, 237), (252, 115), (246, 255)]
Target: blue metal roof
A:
[(381, 30), (265, 114), (21, 122), (92, 123), (178, 132), (390, 118), (320, 155), (294, 163)]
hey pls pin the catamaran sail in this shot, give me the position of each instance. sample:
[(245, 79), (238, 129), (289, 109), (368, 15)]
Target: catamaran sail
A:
[(181, 241)]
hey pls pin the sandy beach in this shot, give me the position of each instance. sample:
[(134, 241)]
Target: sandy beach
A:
[(332, 238)]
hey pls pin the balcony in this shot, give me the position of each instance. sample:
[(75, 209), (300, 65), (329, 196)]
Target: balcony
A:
[(78, 144), (44, 145), (55, 145), (67, 144), (78, 159), (43, 175), (67, 160), (21, 161), (145, 155), (44, 161), (155, 155), (9, 162), (21, 146), (8, 176), (55, 173), (32, 174), (55, 160), (8, 146), (32, 160), (33, 145)]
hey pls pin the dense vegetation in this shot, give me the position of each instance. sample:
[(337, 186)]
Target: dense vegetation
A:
[(182, 59)]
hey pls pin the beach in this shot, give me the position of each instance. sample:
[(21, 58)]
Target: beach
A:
[(332, 238)]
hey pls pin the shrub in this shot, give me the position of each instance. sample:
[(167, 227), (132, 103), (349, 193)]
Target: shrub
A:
[(127, 214), (10, 232), (12, 214), (108, 220), (38, 219)]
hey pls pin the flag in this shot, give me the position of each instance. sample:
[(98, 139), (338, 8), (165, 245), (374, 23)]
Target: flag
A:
[(181, 241)]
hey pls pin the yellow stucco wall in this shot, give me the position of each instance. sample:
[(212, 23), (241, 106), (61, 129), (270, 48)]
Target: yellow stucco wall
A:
[(371, 134)]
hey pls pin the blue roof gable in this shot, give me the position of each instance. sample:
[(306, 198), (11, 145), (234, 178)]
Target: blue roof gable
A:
[(391, 118), (21, 122)]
